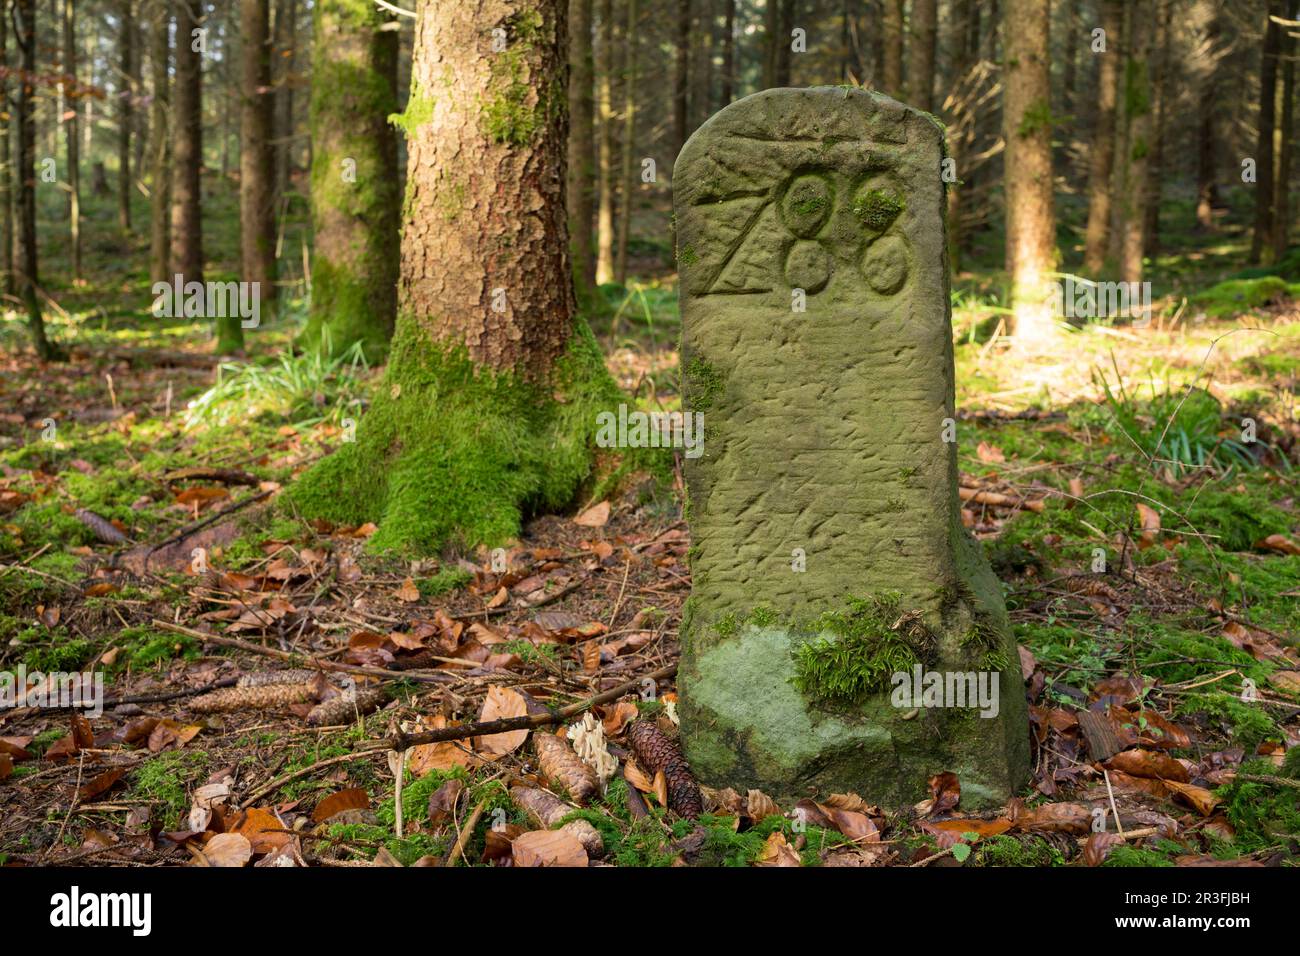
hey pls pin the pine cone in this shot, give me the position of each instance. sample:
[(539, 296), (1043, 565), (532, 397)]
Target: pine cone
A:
[(295, 675), (344, 708), (562, 768), (268, 697), (546, 809), (656, 751)]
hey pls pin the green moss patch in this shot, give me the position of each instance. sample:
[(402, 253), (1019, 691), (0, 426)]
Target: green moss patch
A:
[(451, 454)]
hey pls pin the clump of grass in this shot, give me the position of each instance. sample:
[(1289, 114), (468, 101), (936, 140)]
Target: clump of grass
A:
[(305, 388), (1181, 429), (445, 581)]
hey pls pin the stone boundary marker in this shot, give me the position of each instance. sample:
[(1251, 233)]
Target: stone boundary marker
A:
[(828, 552)]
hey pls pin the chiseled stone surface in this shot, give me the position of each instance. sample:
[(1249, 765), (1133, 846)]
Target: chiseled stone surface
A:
[(824, 440)]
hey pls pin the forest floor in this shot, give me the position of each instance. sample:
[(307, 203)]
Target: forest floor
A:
[(1164, 689)]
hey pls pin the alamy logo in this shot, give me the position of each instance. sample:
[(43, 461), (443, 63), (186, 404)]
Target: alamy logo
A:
[(82, 691), (919, 688), (208, 300), (651, 430), (75, 908), (1077, 298)]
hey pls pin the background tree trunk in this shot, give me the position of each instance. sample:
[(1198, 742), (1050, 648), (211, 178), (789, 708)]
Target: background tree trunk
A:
[(1137, 112), (1103, 148), (728, 91), (626, 176), (605, 107), (1026, 127), (1285, 137), (1160, 69), (681, 74), (582, 164), (126, 115), (921, 54), (28, 272), (187, 165), (355, 191), (891, 80), (1260, 239), (160, 184), (285, 43), (1206, 104), (72, 139), (256, 156), (6, 166)]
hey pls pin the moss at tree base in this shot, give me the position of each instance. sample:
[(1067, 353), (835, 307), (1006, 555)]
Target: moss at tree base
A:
[(453, 454)]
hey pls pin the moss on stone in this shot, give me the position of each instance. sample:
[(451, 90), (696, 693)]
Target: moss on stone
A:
[(703, 384), (452, 454), (877, 209), (870, 640)]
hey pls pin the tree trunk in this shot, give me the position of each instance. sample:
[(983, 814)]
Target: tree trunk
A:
[(1073, 40), (1206, 104), (1103, 148), (1026, 127), (921, 50), (701, 80), (1159, 98), (728, 91), (160, 159), (681, 74), (629, 138), (6, 168), (891, 80), (256, 157), (126, 115), (1285, 138), (783, 43), (1260, 238), (187, 165), (961, 123), (489, 403), (72, 139), (1137, 112), (355, 192), (605, 160), (582, 151), (28, 276), (285, 44)]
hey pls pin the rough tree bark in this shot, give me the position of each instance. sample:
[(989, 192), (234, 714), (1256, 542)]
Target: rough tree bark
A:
[(1103, 146), (582, 163), (1026, 127), (160, 159), (256, 155), (355, 200), (1284, 137), (489, 402)]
